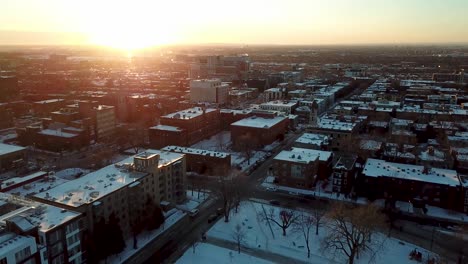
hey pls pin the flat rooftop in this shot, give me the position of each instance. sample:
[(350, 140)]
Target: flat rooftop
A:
[(166, 128), (93, 186), (189, 113), (57, 133), (6, 148), (259, 122), (381, 168), (303, 155), (313, 139), (33, 213), (195, 151)]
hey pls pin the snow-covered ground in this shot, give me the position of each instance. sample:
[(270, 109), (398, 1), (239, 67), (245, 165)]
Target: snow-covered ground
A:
[(207, 253), (221, 142), (194, 199), (317, 192), (268, 237), (172, 217)]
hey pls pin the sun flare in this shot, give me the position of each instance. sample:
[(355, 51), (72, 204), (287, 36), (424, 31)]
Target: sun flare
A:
[(130, 27)]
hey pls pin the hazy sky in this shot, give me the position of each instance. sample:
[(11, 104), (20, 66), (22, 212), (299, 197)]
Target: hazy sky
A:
[(138, 23)]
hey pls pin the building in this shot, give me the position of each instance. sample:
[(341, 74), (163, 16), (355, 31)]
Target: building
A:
[(186, 127), (301, 168), (123, 188), (45, 107), (312, 141), (11, 156), (209, 91), (344, 174), (286, 107), (340, 129), (405, 182), (41, 233), (256, 131), (8, 87), (204, 162), (103, 119), (17, 249)]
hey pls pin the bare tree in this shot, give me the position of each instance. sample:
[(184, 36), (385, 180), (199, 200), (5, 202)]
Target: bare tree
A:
[(227, 191), (284, 218), (238, 235), (350, 231), (317, 215), (303, 225), (247, 145)]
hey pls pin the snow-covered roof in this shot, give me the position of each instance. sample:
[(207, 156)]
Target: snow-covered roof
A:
[(381, 168), (6, 148), (195, 151), (57, 133), (49, 101), (303, 155), (313, 139), (38, 214), (369, 144), (17, 180), (97, 184), (280, 103), (11, 241), (189, 113), (259, 122), (166, 128)]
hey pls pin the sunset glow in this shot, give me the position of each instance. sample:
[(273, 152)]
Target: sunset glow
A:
[(142, 23)]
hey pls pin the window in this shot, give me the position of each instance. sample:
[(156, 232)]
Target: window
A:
[(22, 254)]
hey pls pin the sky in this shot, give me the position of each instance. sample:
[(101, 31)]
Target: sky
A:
[(142, 23)]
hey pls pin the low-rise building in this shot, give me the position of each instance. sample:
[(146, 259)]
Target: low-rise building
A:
[(186, 127), (312, 141), (255, 131), (286, 107), (405, 182), (204, 162), (301, 168), (11, 156)]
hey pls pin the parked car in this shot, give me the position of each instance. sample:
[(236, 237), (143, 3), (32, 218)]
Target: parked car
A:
[(293, 193), (212, 218), (193, 212), (272, 189), (220, 211)]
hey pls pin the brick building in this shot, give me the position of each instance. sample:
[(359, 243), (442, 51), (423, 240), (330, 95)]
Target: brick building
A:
[(185, 128), (301, 168), (204, 162), (258, 131)]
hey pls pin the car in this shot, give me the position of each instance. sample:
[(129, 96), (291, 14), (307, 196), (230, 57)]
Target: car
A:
[(220, 211), (272, 189), (293, 193), (193, 212), (212, 218), (274, 202)]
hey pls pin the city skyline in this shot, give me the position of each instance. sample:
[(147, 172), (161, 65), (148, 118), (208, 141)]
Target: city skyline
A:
[(140, 24)]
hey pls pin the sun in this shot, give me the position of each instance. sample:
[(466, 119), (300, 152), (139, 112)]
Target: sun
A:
[(130, 26)]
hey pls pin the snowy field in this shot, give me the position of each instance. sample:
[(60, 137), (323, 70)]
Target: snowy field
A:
[(207, 253), (268, 237), (222, 142)]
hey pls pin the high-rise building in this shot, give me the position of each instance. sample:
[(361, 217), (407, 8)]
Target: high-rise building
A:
[(208, 91)]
